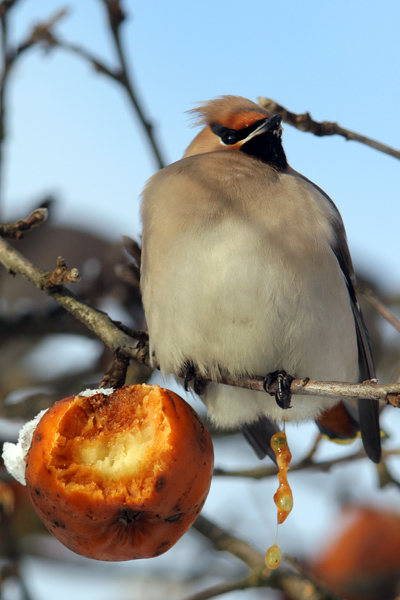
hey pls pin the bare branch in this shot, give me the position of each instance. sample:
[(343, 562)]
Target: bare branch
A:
[(224, 541), (43, 33), (389, 393), (323, 466), (305, 122), (115, 13), (135, 345), (52, 41), (9, 58), (116, 376), (297, 586), (4, 10), (16, 230), (97, 321), (116, 17)]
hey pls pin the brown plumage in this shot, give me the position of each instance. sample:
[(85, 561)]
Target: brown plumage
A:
[(246, 271)]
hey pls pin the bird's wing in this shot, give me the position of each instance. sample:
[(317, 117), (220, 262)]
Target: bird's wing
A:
[(368, 410)]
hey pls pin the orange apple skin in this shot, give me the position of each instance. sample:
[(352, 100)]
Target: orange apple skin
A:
[(116, 524)]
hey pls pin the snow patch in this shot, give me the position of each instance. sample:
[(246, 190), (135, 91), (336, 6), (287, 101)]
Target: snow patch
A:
[(87, 393), (14, 454)]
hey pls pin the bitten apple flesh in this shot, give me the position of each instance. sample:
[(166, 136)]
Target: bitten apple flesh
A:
[(120, 476)]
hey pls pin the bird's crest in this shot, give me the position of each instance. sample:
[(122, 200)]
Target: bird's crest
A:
[(231, 111)]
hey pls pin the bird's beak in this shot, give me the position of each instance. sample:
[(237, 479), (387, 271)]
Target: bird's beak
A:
[(273, 124)]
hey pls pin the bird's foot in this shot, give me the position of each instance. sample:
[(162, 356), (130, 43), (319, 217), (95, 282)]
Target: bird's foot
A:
[(189, 373), (283, 397)]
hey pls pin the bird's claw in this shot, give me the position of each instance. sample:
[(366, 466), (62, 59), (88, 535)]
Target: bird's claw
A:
[(189, 374), (283, 397)]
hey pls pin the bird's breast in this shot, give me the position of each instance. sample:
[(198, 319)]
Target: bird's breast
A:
[(239, 276)]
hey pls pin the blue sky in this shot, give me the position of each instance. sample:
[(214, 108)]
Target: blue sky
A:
[(74, 134)]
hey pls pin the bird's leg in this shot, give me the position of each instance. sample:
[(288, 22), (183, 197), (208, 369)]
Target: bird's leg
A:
[(283, 397), (189, 373)]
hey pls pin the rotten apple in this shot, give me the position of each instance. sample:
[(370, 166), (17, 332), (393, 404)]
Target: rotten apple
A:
[(120, 475)]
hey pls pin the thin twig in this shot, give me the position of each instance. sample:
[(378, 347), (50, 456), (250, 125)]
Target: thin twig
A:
[(16, 230), (225, 542), (305, 122), (323, 466), (9, 59), (5, 66), (116, 376), (116, 18), (53, 41), (297, 586), (95, 320)]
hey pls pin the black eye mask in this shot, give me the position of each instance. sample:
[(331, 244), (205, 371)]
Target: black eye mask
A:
[(231, 136)]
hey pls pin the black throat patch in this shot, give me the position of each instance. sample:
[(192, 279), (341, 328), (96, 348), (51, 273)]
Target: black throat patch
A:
[(268, 148)]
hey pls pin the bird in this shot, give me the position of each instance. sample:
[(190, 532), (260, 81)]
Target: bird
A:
[(246, 271)]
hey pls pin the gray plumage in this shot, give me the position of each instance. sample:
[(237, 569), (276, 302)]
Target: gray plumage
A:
[(246, 270)]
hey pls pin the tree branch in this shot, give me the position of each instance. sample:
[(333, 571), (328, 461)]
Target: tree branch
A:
[(134, 345), (305, 122), (16, 230), (44, 34), (9, 58), (297, 586), (323, 466), (95, 320), (116, 17), (225, 542)]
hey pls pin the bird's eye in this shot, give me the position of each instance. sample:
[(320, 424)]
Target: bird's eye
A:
[(229, 137)]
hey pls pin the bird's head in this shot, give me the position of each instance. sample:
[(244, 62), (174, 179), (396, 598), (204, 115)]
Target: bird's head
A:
[(232, 123)]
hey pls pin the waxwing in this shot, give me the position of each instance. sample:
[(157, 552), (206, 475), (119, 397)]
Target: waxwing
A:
[(246, 272)]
